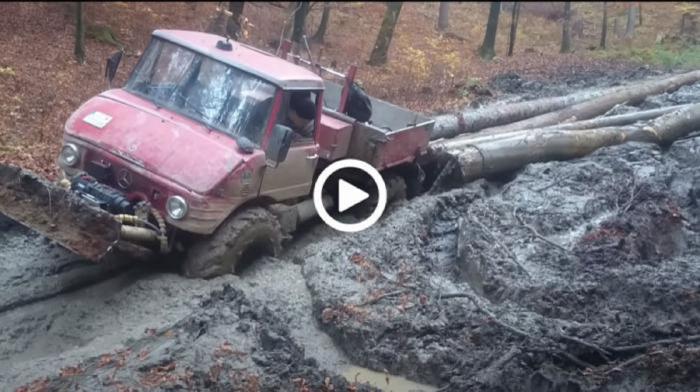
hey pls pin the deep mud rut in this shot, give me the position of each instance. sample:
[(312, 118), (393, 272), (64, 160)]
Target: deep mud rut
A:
[(545, 282)]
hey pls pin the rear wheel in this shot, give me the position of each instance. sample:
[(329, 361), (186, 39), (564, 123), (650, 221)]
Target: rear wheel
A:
[(243, 237)]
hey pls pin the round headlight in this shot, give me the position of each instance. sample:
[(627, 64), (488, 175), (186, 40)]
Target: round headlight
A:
[(176, 207), (70, 155)]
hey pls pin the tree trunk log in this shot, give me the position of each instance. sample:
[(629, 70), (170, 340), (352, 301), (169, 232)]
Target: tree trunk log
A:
[(598, 106), (599, 122), (480, 159), (470, 121), (618, 120)]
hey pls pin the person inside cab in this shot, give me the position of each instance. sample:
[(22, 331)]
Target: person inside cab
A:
[(302, 112)]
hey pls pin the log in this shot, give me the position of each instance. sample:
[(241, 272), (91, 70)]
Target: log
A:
[(618, 120), (599, 122), (485, 158), (598, 106), (470, 121)]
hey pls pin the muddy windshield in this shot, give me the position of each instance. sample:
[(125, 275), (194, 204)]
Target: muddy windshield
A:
[(209, 91)]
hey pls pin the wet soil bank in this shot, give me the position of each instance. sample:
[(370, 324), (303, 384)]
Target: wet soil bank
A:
[(546, 283)]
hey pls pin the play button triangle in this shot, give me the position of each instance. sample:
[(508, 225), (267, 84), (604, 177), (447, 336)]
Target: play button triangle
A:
[(349, 195)]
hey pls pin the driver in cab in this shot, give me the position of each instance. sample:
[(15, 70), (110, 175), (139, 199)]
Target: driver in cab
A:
[(302, 112)]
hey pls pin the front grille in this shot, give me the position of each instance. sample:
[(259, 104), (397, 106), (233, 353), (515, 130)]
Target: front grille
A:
[(100, 170), (107, 169)]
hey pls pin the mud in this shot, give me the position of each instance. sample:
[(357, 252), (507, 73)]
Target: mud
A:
[(564, 82), (553, 279), (488, 283)]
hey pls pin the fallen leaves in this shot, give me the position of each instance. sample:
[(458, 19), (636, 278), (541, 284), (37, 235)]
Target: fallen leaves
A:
[(343, 313), (7, 71), (40, 385), (71, 371), (227, 350), (160, 376)]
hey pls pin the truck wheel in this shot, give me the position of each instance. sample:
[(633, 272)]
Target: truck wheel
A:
[(247, 234)]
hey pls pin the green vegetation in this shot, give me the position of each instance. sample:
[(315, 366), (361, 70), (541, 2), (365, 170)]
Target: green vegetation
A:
[(670, 57), (103, 34)]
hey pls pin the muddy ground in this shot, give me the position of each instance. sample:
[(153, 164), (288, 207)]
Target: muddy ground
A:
[(570, 276)]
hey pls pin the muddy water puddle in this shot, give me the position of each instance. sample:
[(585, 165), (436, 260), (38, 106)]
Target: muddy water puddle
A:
[(384, 381)]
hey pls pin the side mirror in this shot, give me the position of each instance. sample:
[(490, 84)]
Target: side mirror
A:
[(279, 144), (111, 67)]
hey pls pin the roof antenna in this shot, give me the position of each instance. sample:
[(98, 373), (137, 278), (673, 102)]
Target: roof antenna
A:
[(225, 45)]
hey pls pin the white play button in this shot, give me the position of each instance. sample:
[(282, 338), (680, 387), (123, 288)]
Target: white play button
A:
[(349, 195)]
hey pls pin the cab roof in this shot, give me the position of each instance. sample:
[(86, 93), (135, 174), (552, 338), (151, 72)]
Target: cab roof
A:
[(247, 58)]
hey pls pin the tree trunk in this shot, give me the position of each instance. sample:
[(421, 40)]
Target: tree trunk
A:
[(597, 106), (640, 12), (513, 27), (618, 120), (604, 30), (503, 155), (323, 26), (444, 16), (684, 17), (79, 33), (289, 21), (631, 20), (470, 121), (386, 32), (599, 122), (299, 21), (566, 29), (233, 26), (488, 47)]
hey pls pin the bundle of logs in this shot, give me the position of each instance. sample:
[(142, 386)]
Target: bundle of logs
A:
[(500, 139)]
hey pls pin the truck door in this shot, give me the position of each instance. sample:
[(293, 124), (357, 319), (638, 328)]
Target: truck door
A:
[(294, 177)]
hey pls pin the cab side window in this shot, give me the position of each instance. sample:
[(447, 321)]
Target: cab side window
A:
[(298, 112)]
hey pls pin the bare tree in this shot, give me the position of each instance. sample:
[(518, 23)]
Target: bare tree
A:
[(444, 16), (302, 10), (513, 27), (488, 47), (79, 33), (604, 30), (566, 29), (631, 20), (323, 26), (233, 26), (386, 32)]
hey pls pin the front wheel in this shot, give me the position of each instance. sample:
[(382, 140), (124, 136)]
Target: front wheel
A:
[(242, 237)]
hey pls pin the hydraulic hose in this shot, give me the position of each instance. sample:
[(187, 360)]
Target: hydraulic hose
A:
[(162, 236), (159, 231), (136, 221)]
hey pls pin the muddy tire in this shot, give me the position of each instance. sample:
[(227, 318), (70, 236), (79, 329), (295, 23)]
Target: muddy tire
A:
[(254, 229)]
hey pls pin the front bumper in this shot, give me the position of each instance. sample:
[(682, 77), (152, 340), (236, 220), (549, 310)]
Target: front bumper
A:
[(205, 213)]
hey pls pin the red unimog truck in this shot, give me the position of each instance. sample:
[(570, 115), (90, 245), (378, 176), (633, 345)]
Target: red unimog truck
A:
[(196, 152)]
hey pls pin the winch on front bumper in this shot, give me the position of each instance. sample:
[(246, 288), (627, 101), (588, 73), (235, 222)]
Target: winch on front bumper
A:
[(101, 195), (134, 216)]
